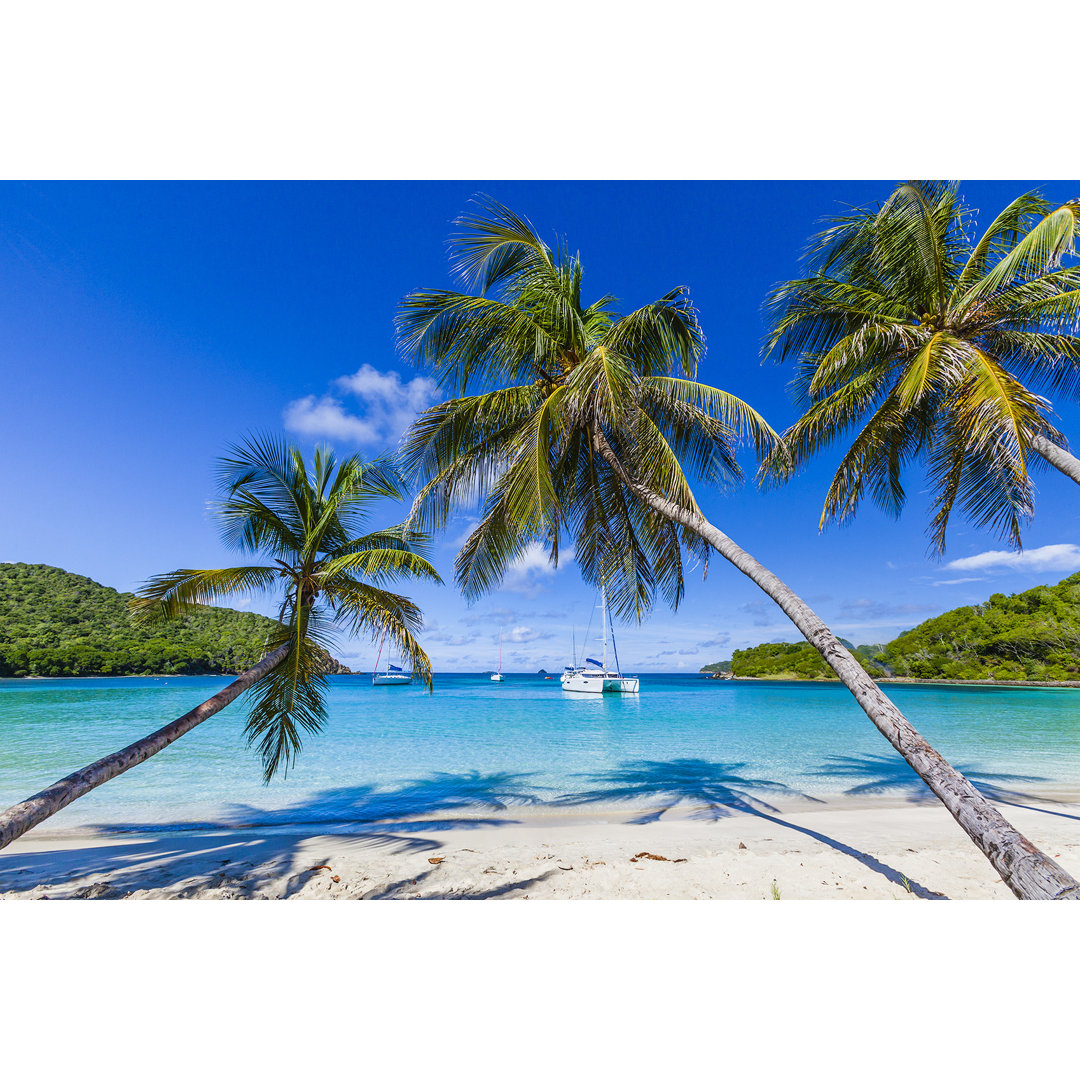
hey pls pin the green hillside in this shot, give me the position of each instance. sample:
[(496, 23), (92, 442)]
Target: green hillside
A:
[(794, 661), (1029, 635), (1033, 636), (719, 668), (56, 623)]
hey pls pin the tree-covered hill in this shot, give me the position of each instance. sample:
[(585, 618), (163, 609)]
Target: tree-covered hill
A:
[(56, 623), (793, 661), (721, 667), (1030, 635), (1033, 636)]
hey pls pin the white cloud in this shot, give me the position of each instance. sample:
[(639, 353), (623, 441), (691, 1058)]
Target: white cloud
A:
[(386, 407), (526, 573), (1049, 557), (325, 418), (370, 385)]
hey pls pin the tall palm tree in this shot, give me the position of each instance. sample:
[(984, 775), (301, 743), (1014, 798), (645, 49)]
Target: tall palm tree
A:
[(580, 429), (932, 347), (305, 522)]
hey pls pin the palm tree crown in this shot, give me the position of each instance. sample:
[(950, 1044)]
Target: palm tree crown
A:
[(305, 522), (558, 381), (918, 337)]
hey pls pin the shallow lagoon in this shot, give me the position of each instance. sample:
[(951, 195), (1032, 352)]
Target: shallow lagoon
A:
[(474, 747)]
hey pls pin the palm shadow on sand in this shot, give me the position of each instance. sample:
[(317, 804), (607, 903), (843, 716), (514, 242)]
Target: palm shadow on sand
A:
[(362, 815), (717, 790), (888, 774)]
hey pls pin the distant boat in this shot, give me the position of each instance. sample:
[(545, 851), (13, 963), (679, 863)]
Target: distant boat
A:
[(393, 675), (594, 676), (498, 676)]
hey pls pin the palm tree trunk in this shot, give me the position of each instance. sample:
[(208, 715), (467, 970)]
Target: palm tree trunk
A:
[(1061, 459), (25, 815), (1030, 874)]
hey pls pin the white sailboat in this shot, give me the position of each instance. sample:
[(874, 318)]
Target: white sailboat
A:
[(393, 675), (594, 676), (498, 676)]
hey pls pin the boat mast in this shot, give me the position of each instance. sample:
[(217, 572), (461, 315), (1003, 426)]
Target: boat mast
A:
[(500, 652), (614, 647), (382, 641), (603, 623)]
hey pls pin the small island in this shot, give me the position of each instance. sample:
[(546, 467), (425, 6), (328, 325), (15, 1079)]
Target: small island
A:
[(1031, 637), (57, 624)]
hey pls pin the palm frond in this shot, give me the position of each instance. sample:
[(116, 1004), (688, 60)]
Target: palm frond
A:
[(290, 699), (167, 595)]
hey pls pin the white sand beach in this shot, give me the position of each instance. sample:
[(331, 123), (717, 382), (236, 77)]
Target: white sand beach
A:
[(870, 849)]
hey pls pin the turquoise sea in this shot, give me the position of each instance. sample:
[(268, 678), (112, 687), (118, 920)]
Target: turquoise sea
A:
[(474, 748)]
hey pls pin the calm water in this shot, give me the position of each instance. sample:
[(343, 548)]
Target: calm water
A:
[(475, 746)]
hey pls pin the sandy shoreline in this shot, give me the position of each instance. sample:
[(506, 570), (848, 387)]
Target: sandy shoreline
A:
[(842, 849)]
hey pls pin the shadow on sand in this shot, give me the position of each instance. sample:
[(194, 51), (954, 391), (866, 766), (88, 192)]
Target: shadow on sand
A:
[(363, 815), (718, 790), (889, 774)]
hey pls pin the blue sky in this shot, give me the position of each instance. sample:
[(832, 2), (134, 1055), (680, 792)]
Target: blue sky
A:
[(147, 325)]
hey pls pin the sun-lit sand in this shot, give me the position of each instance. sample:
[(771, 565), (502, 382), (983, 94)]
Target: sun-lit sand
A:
[(843, 849)]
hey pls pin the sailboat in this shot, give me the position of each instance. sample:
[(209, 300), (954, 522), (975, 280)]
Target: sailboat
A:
[(393, 675), (498, 676), (594, 676)]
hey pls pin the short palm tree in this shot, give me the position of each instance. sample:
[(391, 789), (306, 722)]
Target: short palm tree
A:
[(580, 430), (305, 522), (926, 345)]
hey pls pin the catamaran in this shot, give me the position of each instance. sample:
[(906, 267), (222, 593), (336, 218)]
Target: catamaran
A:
[(498, 676), (594, 676), (393, 675)]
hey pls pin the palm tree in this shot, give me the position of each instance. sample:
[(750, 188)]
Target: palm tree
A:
[(305, 522), (580, 429), (932, 346)]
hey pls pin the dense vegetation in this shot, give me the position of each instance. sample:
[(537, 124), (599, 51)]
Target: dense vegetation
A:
[(56, 623), (1033, 635), (719, 668)]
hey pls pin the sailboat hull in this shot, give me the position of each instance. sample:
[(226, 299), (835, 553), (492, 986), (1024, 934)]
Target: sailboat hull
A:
[(385, 679), (578, 683), (496, 678)]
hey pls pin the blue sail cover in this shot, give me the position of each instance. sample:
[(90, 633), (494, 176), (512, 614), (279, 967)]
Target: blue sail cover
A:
[(393, 667), (590, 660)]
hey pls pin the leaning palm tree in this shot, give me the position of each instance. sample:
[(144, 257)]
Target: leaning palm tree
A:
[(580, 430), (928, 346), (305, 522)]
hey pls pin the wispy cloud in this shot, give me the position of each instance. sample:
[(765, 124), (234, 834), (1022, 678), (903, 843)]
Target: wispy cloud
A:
[(720, 639), (521, 634), (385, 406), (527, 572), (877, 609), (1049, 557)]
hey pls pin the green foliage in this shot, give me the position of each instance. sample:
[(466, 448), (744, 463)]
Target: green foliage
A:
[(56, 623), (573, 398), (720, 666), (303, 518), (1032, 636), (915, 343), (780, 661)]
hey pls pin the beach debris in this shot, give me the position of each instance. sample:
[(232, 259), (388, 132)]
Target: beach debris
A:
[(314, 868), (336, 877), (435, 860), (742, 846), (564, 867), (650, 855)]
